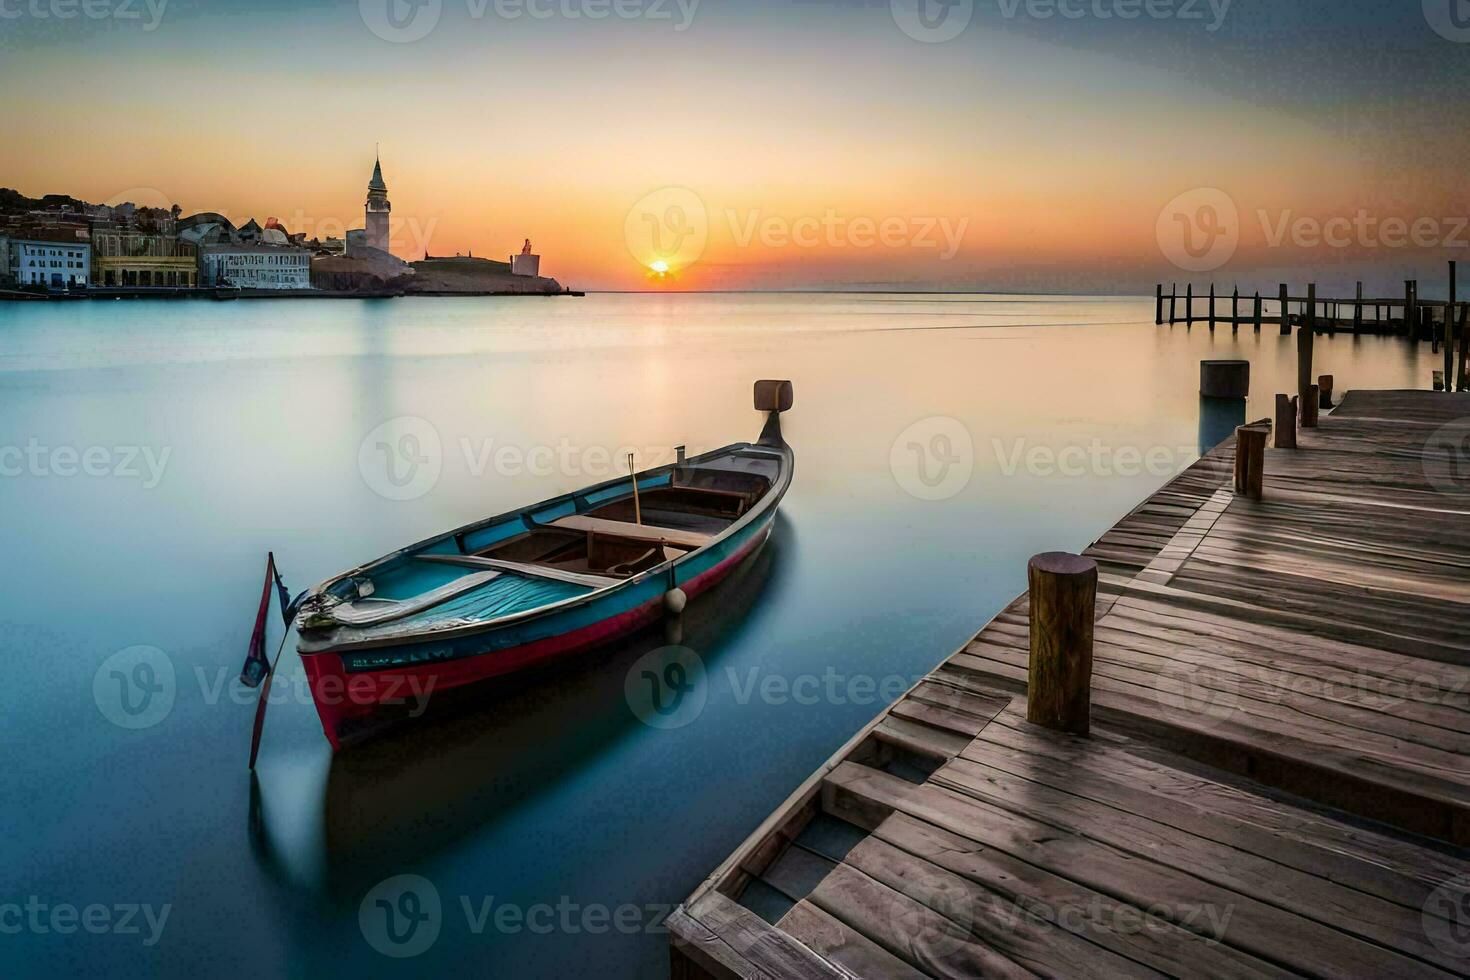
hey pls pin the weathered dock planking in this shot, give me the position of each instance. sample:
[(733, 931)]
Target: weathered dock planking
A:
[(1276, 781)]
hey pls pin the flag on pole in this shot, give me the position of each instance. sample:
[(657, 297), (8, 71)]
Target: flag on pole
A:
[(256, 665)]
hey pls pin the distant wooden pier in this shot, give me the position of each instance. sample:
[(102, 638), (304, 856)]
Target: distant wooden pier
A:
[(1276, 775)]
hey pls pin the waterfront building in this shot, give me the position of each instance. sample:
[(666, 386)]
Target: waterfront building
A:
[(255, 266), (130, 257), (54, 263)]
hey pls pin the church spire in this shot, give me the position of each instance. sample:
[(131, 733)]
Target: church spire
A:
[(377, 184)]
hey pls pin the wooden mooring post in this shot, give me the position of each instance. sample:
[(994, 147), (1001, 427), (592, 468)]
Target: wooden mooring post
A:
[(1158, 304), (1285, 427), (1358, 309), (1305, 339), (1309, 406), (1063, 600), (1212, 307), (1324, 391), (1449, 335), (1460, 382), (1235, 310), (1188, 303), (1258, 312), (1173, 299), (1285, 311), (1250, 460)]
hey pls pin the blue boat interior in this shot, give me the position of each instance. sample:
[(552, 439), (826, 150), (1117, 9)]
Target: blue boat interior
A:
[(565, 548)]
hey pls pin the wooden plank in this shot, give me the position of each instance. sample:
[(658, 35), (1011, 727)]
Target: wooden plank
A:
[(925, 939), (1252, 926), (1347, 910), (1022, 938), (844, 946), (764, 947), (1065, 904), (1395, 870)]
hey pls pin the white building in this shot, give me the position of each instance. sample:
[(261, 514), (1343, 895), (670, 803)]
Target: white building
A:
[(255, 266), (35, 262)]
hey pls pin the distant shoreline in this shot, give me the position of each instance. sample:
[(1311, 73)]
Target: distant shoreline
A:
[(17, 295)]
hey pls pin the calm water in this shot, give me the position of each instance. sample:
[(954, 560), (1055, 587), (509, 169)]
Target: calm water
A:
[(153, 452)]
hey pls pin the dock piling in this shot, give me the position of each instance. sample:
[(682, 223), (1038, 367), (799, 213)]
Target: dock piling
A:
[(1285, 311), (1059, 676), (1188, 304), (1449, 335), (1158, 304), (1309, 406), (1464, 348), (1358, 309), (1258, 312), (1212, 307), (1324, 391), (1250, 460), (1285, 428), (1305, 338)]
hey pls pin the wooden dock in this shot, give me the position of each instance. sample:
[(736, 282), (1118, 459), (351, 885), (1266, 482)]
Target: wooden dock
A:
[(1276, 781)]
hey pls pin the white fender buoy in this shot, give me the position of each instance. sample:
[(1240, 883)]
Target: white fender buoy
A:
[(674, 601)]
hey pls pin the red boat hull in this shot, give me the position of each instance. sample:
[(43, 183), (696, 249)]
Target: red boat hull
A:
[(352, 704)]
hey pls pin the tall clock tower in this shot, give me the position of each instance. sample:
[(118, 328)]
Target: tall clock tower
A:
[(378, 208)]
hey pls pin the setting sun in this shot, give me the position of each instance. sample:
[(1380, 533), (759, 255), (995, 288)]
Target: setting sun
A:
[(661, 267)]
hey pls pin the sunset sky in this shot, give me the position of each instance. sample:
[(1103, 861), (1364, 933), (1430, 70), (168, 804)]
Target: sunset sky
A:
[(801, 143)]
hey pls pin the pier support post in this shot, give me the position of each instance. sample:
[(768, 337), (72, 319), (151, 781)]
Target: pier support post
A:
[(1212, 307), (1258, 311), (1305, 339), (1235, 311), (1449, 335), (1285, 427), (1324, 391), (1158, 304), (1285, 314), (1464, 348), (1309, 406), (1250, 460), (1409, 308), (1188, 303), (1358, 310), (1063, 601), (1173, 300)]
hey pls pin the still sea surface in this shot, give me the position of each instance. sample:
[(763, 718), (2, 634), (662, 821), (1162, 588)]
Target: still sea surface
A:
[(152, 452)]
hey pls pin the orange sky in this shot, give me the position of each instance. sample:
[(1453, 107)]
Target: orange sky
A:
[(811, 146)]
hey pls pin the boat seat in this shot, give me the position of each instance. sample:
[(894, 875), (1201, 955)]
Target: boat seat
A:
[(634, 532)]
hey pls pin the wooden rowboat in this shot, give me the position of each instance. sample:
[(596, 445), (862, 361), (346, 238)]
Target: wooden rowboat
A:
[(510, 592)]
